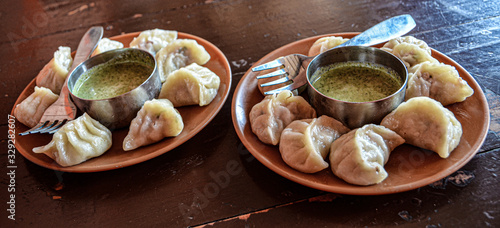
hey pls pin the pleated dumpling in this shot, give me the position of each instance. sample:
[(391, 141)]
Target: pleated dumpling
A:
[(77, 141), (191, 85), (438, 81), (269, 117), (359, 156), (54, 73), (156, 120), (412, 54), (324, 44), (153, 40), (106, 44), (389, 46), (425, 123), (305, 144), (180, 53), (30, 110)]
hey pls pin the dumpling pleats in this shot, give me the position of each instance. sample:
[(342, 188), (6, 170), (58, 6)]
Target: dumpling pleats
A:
[(305, 144), (191, 85), (324, 44), (180, 53), (269, 117), (438, 81), (389, 46), (425, 123), (412, 54), (359, 156), (77, 141), (156, 120), (30, 110), (153, 40)]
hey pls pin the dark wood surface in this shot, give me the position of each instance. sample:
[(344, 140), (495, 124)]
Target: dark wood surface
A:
[(168, 191)]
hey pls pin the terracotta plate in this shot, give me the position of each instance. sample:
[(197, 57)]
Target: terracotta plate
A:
[(195, 119), (408, 167)]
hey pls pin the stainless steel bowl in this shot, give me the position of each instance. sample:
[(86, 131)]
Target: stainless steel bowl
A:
[(356, 114), (117, 112)]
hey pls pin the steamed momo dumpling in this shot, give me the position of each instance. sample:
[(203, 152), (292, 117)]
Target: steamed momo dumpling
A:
[(191, 85), (153, 40), (305, 144), (269, 117), (324, 44), (438, 81), (54, 73), (359, 156), (389, 46), (106, 44), (77, 141), (412, 54), (156, 120), (30, 110), (425, 123), (180, 53)]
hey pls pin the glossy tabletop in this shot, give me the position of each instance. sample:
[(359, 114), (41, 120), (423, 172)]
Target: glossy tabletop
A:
[(212, 179)]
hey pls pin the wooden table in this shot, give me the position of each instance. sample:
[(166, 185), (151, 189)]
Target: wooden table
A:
[(166, 191)]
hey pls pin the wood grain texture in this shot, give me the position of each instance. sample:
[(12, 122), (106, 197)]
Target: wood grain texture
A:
[(212, 180), (431, 206)]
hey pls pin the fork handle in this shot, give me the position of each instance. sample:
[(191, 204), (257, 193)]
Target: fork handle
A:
[(86, 46), (384, 31)]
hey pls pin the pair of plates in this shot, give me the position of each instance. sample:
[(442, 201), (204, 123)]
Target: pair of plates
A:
[(408, 167)]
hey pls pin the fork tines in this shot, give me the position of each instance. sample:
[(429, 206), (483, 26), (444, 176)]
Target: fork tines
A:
[(269, 65), (272, 74), (45, 127), (276, 82)]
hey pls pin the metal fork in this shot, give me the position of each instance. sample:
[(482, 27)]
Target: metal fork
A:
[(294, 66), (63, 109)]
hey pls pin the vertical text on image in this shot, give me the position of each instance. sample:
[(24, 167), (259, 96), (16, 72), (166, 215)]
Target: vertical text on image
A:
[(11, 167)]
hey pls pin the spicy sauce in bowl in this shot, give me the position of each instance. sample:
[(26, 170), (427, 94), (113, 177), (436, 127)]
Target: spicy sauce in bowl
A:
[(356, 81), (356, 85), (112, 86), (109, 79)]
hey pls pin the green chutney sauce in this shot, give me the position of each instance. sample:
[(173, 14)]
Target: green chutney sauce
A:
[(356, 81), (111, 79)]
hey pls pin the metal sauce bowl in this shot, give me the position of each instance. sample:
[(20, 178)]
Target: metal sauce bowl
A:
[(117, 112), (356, 114)]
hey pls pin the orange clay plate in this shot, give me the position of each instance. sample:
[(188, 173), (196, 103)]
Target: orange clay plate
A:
[(195, 118), (408, 167)]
